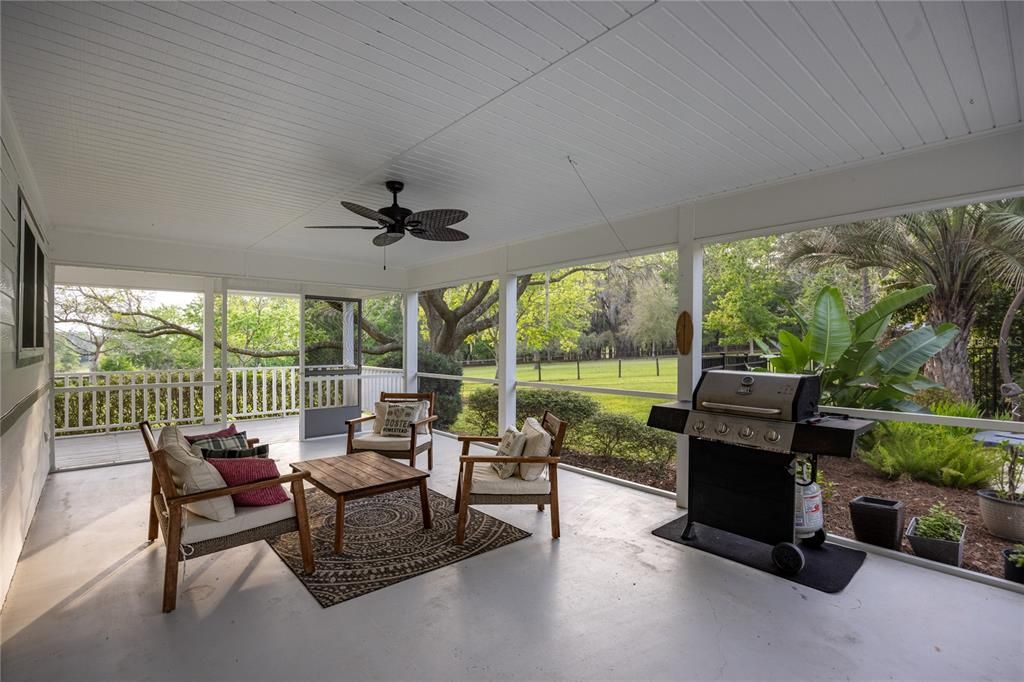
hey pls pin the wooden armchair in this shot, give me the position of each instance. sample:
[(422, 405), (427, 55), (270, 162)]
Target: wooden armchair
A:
[(203, 536), (481, 485), (403, 447), (154, 488)]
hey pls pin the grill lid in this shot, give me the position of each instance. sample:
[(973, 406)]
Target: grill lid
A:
[(758, 395)]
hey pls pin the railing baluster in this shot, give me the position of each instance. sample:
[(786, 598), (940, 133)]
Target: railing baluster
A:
[(263, 373)]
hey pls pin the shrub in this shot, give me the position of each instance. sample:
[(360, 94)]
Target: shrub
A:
[(1017, 556), (448, 400), (939, 524), (482, 407), (619, 435), (947, 456)]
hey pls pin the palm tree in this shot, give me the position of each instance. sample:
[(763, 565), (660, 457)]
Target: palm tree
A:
[(958, 250)]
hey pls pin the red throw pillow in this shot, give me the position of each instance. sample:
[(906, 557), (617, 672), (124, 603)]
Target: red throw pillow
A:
[(249, 470), (230, 431)]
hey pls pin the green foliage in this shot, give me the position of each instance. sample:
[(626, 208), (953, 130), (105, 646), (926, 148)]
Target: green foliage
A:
[(625, 437), (1011, 474), (652, 316), (482, 407), (828, 488), (743, 295), (856, 369), (555, 312), (448, 399), (939, 524), (947, 456), (1017, 556)]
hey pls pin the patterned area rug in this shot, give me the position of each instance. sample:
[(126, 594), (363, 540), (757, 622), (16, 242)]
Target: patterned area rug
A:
[(386, 543)]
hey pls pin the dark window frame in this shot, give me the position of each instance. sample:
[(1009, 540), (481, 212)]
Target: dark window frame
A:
[(31, 328)]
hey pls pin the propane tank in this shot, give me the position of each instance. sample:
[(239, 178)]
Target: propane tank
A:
[(809, 516)]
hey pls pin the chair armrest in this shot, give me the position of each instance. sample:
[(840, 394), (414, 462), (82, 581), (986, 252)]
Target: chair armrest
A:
[(360, 419), (427, 420), (480, 439), (251, 441), (234, 489), (520, 460)]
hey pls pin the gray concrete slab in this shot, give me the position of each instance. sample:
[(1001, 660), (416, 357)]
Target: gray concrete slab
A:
[(607, 601)]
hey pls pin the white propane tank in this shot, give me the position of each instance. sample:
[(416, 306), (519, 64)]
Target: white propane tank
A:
[(809, 516)]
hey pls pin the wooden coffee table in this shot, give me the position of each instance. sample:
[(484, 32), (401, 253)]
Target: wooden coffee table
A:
[(362, 474)]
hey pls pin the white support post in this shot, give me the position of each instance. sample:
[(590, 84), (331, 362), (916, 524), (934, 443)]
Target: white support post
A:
[(348, 342), (209, 416), (691, 299), (410, 340), (224, 352), (506, 357)]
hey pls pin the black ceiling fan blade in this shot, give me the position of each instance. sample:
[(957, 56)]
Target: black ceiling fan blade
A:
[(344, 227), (387, 238), (436, 218), (439, 234), (368, 213)]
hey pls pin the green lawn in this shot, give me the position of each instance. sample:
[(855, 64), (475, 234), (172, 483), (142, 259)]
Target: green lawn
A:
[(637, 375)]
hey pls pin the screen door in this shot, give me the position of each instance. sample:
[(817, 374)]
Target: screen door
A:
[(332, 362)]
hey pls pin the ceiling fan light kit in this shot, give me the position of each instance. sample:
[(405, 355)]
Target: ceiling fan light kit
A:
[(396, 221)]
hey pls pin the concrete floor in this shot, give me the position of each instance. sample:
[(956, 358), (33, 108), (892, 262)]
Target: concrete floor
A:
[(607, 601)]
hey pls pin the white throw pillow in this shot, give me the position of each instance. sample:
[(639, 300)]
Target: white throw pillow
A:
[(193, 474), (380, 413), (511, 446), (399, 416), (538, 444), (423, 413)]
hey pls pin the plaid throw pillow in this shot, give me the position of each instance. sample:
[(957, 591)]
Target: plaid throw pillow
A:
[(400, 415), (233, 453), (235, 442)]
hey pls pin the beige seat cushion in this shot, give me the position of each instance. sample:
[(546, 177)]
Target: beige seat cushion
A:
[(195, 528), (487, 482), (375, 441), (538, 444), (193, 474)]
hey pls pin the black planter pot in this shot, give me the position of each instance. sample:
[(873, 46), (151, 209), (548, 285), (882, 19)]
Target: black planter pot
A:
[(1010, 570), (877, 521), (944, 551)]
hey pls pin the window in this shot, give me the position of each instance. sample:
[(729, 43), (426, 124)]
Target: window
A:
[(31, 286)]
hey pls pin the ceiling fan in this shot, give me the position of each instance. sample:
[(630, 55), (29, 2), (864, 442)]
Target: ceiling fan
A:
[(432, 225)]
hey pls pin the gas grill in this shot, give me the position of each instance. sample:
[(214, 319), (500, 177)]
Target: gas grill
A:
[(753, 435)]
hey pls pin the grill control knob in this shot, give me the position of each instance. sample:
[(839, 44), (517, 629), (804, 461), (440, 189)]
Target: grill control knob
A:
[(722, 429), (772, 436), (698, 426), (746, 432)]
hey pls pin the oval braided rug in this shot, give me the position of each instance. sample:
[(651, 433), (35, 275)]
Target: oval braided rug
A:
[(385, 542)]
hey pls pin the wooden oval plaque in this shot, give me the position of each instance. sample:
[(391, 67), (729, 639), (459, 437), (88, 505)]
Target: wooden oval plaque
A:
[(684, 333)]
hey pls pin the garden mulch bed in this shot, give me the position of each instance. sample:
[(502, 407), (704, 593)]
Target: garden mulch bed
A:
[(851, 477)]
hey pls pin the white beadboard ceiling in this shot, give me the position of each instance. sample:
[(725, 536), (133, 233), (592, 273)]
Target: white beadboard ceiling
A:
[(238, 123)]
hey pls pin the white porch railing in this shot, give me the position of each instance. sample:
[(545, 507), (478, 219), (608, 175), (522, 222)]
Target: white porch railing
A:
[(100, 402)]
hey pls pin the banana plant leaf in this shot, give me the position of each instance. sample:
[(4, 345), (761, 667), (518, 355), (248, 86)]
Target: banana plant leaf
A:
[(830, 333), (871, 324), (860, 358), (908, 353), (794, 350)]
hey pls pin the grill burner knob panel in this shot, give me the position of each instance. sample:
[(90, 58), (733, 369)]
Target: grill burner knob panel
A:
[(722, 429), (772, 436), (746, 432), (698, 426)]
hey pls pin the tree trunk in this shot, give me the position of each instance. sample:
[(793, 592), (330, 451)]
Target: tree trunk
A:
[(1004, 337), (951, 367)]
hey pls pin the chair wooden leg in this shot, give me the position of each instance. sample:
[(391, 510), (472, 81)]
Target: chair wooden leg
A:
[(458, 488), (154, 490), (553, 476), (540, 507), (173, 540), (460, 529), (430, 458), (302, 517)]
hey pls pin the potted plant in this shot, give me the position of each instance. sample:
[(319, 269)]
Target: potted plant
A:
[(1002, 507), (938, 536), (877, 521), (1013, 563)]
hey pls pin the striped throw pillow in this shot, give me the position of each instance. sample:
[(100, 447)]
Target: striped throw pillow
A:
[(237, 453), (234, 442), (251, 470)]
